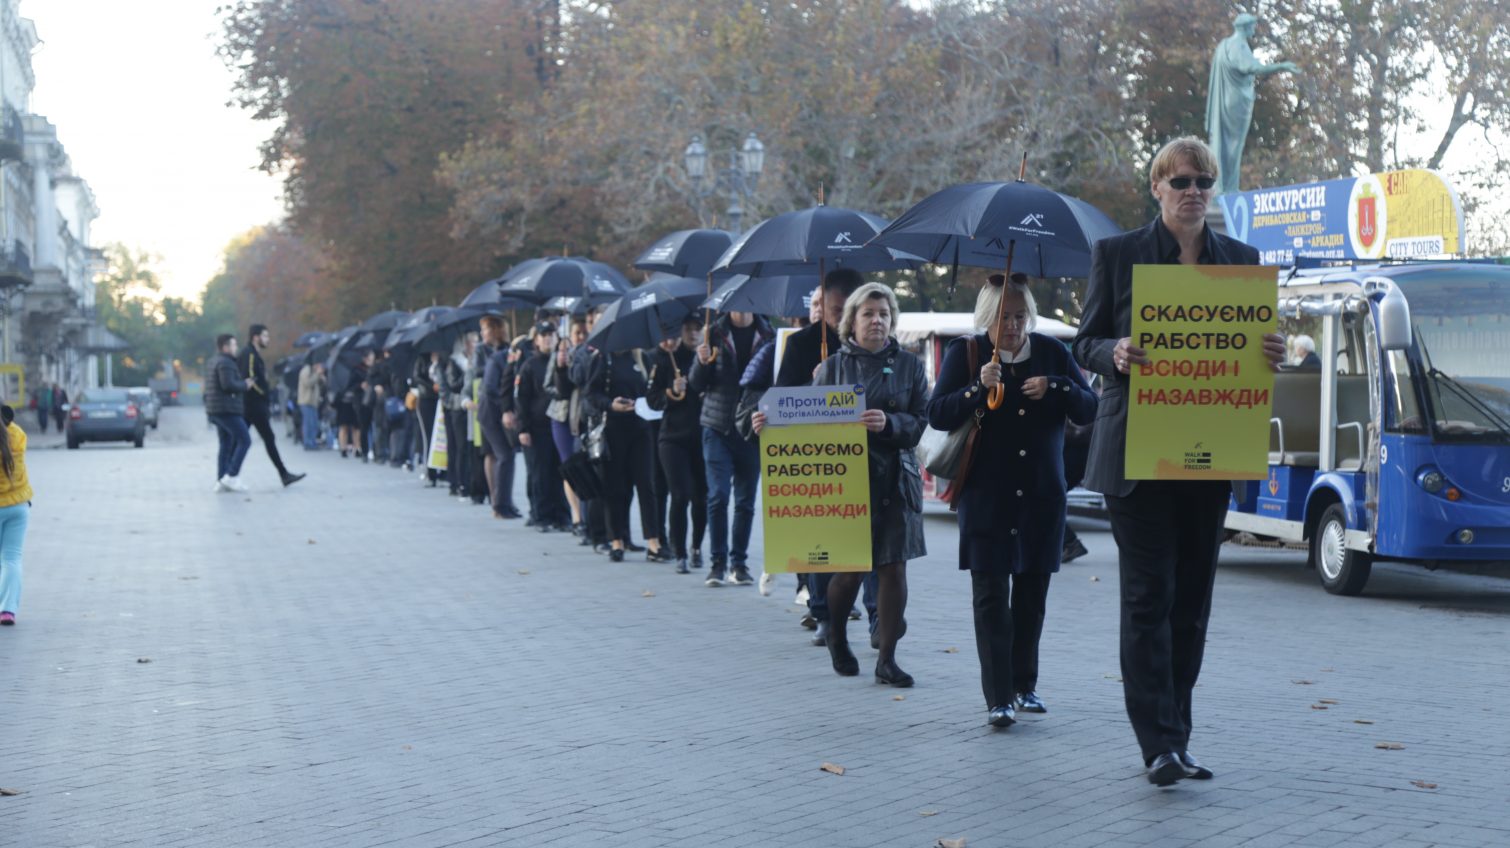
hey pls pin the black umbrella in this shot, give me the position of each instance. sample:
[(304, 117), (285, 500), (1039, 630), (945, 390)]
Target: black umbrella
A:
[(811, 241), (983, 224), (641, 319), (444, 331), (686, 253), (689, 290), (789, 297), (539, 280), (574, 306), (415, 326), (486, 295), (321, 350), (384, 320), (309, 339)]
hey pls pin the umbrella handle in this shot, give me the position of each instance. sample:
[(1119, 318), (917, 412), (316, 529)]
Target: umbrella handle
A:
[(676, 373), (707, 324), (998, 393)]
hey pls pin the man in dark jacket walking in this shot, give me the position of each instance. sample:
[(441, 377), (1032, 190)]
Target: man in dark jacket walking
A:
[(259, 398), (732, 462), (224, 388)]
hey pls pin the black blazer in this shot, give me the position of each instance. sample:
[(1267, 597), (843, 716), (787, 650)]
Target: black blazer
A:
[(1106, 320)]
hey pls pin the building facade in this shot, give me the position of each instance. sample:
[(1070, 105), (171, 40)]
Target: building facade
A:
[(48, 323)]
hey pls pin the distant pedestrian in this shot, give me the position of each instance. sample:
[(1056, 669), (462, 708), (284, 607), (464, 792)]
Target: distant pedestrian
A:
[(42, 403), (61, 406), (224, 390), (259, 399), (311, 388), (15, 513)]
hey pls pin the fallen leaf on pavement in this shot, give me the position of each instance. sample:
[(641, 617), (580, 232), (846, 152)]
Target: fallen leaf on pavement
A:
[(928, 812), (1329, 669), (144, 659), (4, 791), (1318, 706), (191, 577), (311, 541), (1389, 746), (524, 571), (1362, 721), (1302, 682), (951, 650), (1095, 579), (1328, 701), (952, 843), (1423, 784), (832, 768), (408, 747), (898, 697), (647, 594)]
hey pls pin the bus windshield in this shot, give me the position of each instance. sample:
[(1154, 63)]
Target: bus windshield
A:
[(1461, 322)]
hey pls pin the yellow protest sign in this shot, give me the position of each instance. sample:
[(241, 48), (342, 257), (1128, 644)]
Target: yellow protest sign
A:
[(817, 480), (1200, 409)]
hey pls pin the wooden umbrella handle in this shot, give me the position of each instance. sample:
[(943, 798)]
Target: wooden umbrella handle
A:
[(998, 394)]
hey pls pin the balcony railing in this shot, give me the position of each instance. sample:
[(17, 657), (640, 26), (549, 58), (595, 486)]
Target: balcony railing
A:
[(15, 266)]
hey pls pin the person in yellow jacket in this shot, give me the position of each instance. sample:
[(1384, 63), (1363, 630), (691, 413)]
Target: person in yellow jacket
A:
[(15, 513)]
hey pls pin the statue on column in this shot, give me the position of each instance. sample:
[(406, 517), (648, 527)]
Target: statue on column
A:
[(1229, 102)]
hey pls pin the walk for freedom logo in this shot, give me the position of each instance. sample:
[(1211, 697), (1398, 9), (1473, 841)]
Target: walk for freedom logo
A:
[(1033, 224)]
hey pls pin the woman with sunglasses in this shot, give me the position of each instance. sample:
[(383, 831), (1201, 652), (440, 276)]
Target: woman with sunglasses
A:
[(1168, 532)]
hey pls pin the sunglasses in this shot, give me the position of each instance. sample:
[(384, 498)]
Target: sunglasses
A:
[(1182, 183)]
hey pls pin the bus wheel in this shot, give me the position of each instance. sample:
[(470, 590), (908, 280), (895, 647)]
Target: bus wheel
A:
[(1342, 572)]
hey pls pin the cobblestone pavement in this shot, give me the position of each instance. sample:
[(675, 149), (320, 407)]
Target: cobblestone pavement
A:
[(359, 661)]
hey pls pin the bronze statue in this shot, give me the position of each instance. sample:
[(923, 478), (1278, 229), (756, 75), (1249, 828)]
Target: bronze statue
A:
[(1229, 102)]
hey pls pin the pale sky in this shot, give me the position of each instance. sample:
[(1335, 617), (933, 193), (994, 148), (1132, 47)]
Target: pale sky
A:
[(138, 98)]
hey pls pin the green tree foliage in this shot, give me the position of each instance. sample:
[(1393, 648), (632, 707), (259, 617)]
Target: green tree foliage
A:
[(161, 331), (365, 96)]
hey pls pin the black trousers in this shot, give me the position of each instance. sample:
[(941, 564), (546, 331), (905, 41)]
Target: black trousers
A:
[(543, 465), (658, 483), (629, 475), (364, 428), (682, 465), (1168, 535), (456, 430), (256, 415), (427, 410), (496, 440), (1008, 623)]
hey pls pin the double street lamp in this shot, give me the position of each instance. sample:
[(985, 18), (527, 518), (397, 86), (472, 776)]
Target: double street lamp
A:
[(737, 180)]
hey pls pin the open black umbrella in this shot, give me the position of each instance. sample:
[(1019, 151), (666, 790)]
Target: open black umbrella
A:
[(641, 319), (309, 339), (539, 280), (415, 326), (486, 295), (813, 241), (384, 320), (574, 306), (686, 253), (444, 331), (990, 224), (789, 297)]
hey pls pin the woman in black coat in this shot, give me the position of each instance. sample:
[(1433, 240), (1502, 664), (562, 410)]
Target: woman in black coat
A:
[(1012, 506), (896, 395), (679, 446)]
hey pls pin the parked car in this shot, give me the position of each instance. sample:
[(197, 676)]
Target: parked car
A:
[(146, 403), (104, 415)]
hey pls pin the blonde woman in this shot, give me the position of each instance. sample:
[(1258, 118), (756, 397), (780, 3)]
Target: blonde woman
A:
[(15, 513)]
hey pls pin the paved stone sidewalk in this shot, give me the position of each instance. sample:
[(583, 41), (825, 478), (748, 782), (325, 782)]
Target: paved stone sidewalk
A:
[(360, 661)]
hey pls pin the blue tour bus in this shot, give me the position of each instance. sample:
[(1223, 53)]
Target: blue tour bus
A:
[(1398, 446)]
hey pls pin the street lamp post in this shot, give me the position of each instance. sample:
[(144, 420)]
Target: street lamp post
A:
[(737, 180)]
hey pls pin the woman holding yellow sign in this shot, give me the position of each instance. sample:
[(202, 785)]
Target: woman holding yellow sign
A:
[(896, 394)]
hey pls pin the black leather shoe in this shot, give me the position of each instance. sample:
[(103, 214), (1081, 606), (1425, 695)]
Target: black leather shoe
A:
[(661, 555), (808, 621), (1193, 768), (888, 673), (681, 566), (1029, 702), (1074, 550), (633, 548), (1166, 770), (843, 658), (290, 479), (1004, 716), (697, 559), (616, 555), (820, 635)]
